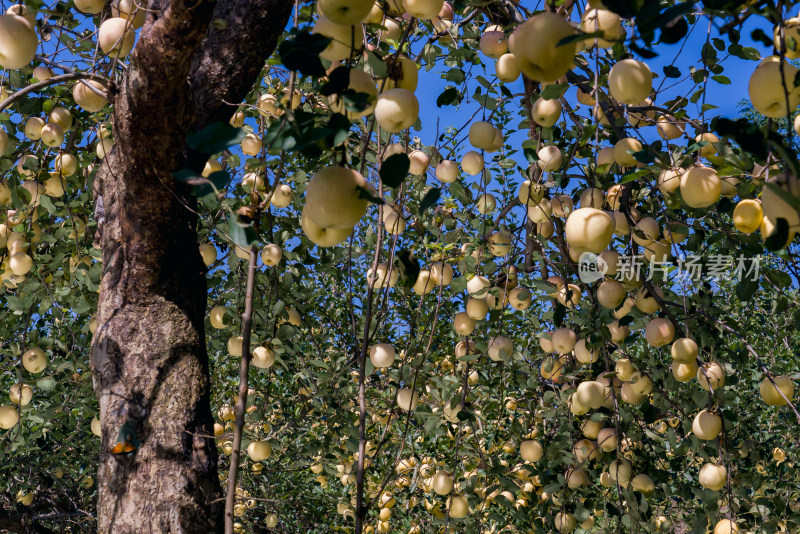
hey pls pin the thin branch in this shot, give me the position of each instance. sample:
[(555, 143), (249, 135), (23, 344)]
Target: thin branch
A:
[(52, 81)]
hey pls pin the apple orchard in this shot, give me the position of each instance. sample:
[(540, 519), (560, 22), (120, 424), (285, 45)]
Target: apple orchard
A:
[(407, 266)]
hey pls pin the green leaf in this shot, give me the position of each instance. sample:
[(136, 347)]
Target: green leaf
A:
[(378, 66), (777, 240), (46, 384), (643, 156), (369, 194), (429, 199), (407, 268), (215, 137), (394, 169), (779, 278), (579, 36), (338, 81), (300, 51), (746, 288), (45, 202), (241, 233), (530, 155), (554, 91), (450, 96)]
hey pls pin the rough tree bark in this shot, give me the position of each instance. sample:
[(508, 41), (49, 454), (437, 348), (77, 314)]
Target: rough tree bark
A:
[(149, 358)]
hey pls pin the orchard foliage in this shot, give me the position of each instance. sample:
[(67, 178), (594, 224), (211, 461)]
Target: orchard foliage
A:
[(432, 347)]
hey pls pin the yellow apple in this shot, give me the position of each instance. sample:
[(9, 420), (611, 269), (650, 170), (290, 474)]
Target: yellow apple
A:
[(463, 324), (382, 355), (217, 316), (129, 10), (712, 141), (624, 149), (477, 309), (457, 506), (791, 32), (345, 12), (668, 128), (565, 522), (659, 332), (343, 38), (88, 99), (683, 371), (332, 198), (423, 9), (602, 20), (259, 450), (589, 229), (62, 117), (34, 360), (643, 484), (472, 163), (531, 450), (545, 113), (620, 471), (442, 274), (534, 44), (630, 81), (591, 393), (447, 171), (52, 135), (771, 394), (772, 85), (564, 340), (507, 68), (18, 41), (33, 128), (272, 254), (713, 476), (726, 526), (711, 376), (424, 283), (684, 350), (20, 394), (442, 483), (407, 399), (610, 294), (777, 206), (706, 425), (116, 37), (263, 357), (585, 355), (360, 82), (8, 417), (396, 110), (549, 158), (92, 7), (209, 253), (402, 74)]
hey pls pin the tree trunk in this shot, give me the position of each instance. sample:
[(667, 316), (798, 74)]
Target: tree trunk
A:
[(149, 358)]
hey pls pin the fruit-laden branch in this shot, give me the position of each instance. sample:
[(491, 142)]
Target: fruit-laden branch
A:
[(5, 104), (241, 402)]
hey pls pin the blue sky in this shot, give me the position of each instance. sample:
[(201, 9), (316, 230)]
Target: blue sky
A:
[(726, 97)]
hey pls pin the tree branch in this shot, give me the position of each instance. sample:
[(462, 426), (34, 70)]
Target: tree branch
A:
[(5, 104), (233, 55), (13, 522)]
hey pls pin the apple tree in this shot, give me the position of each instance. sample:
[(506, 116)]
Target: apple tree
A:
[(410, 266)]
